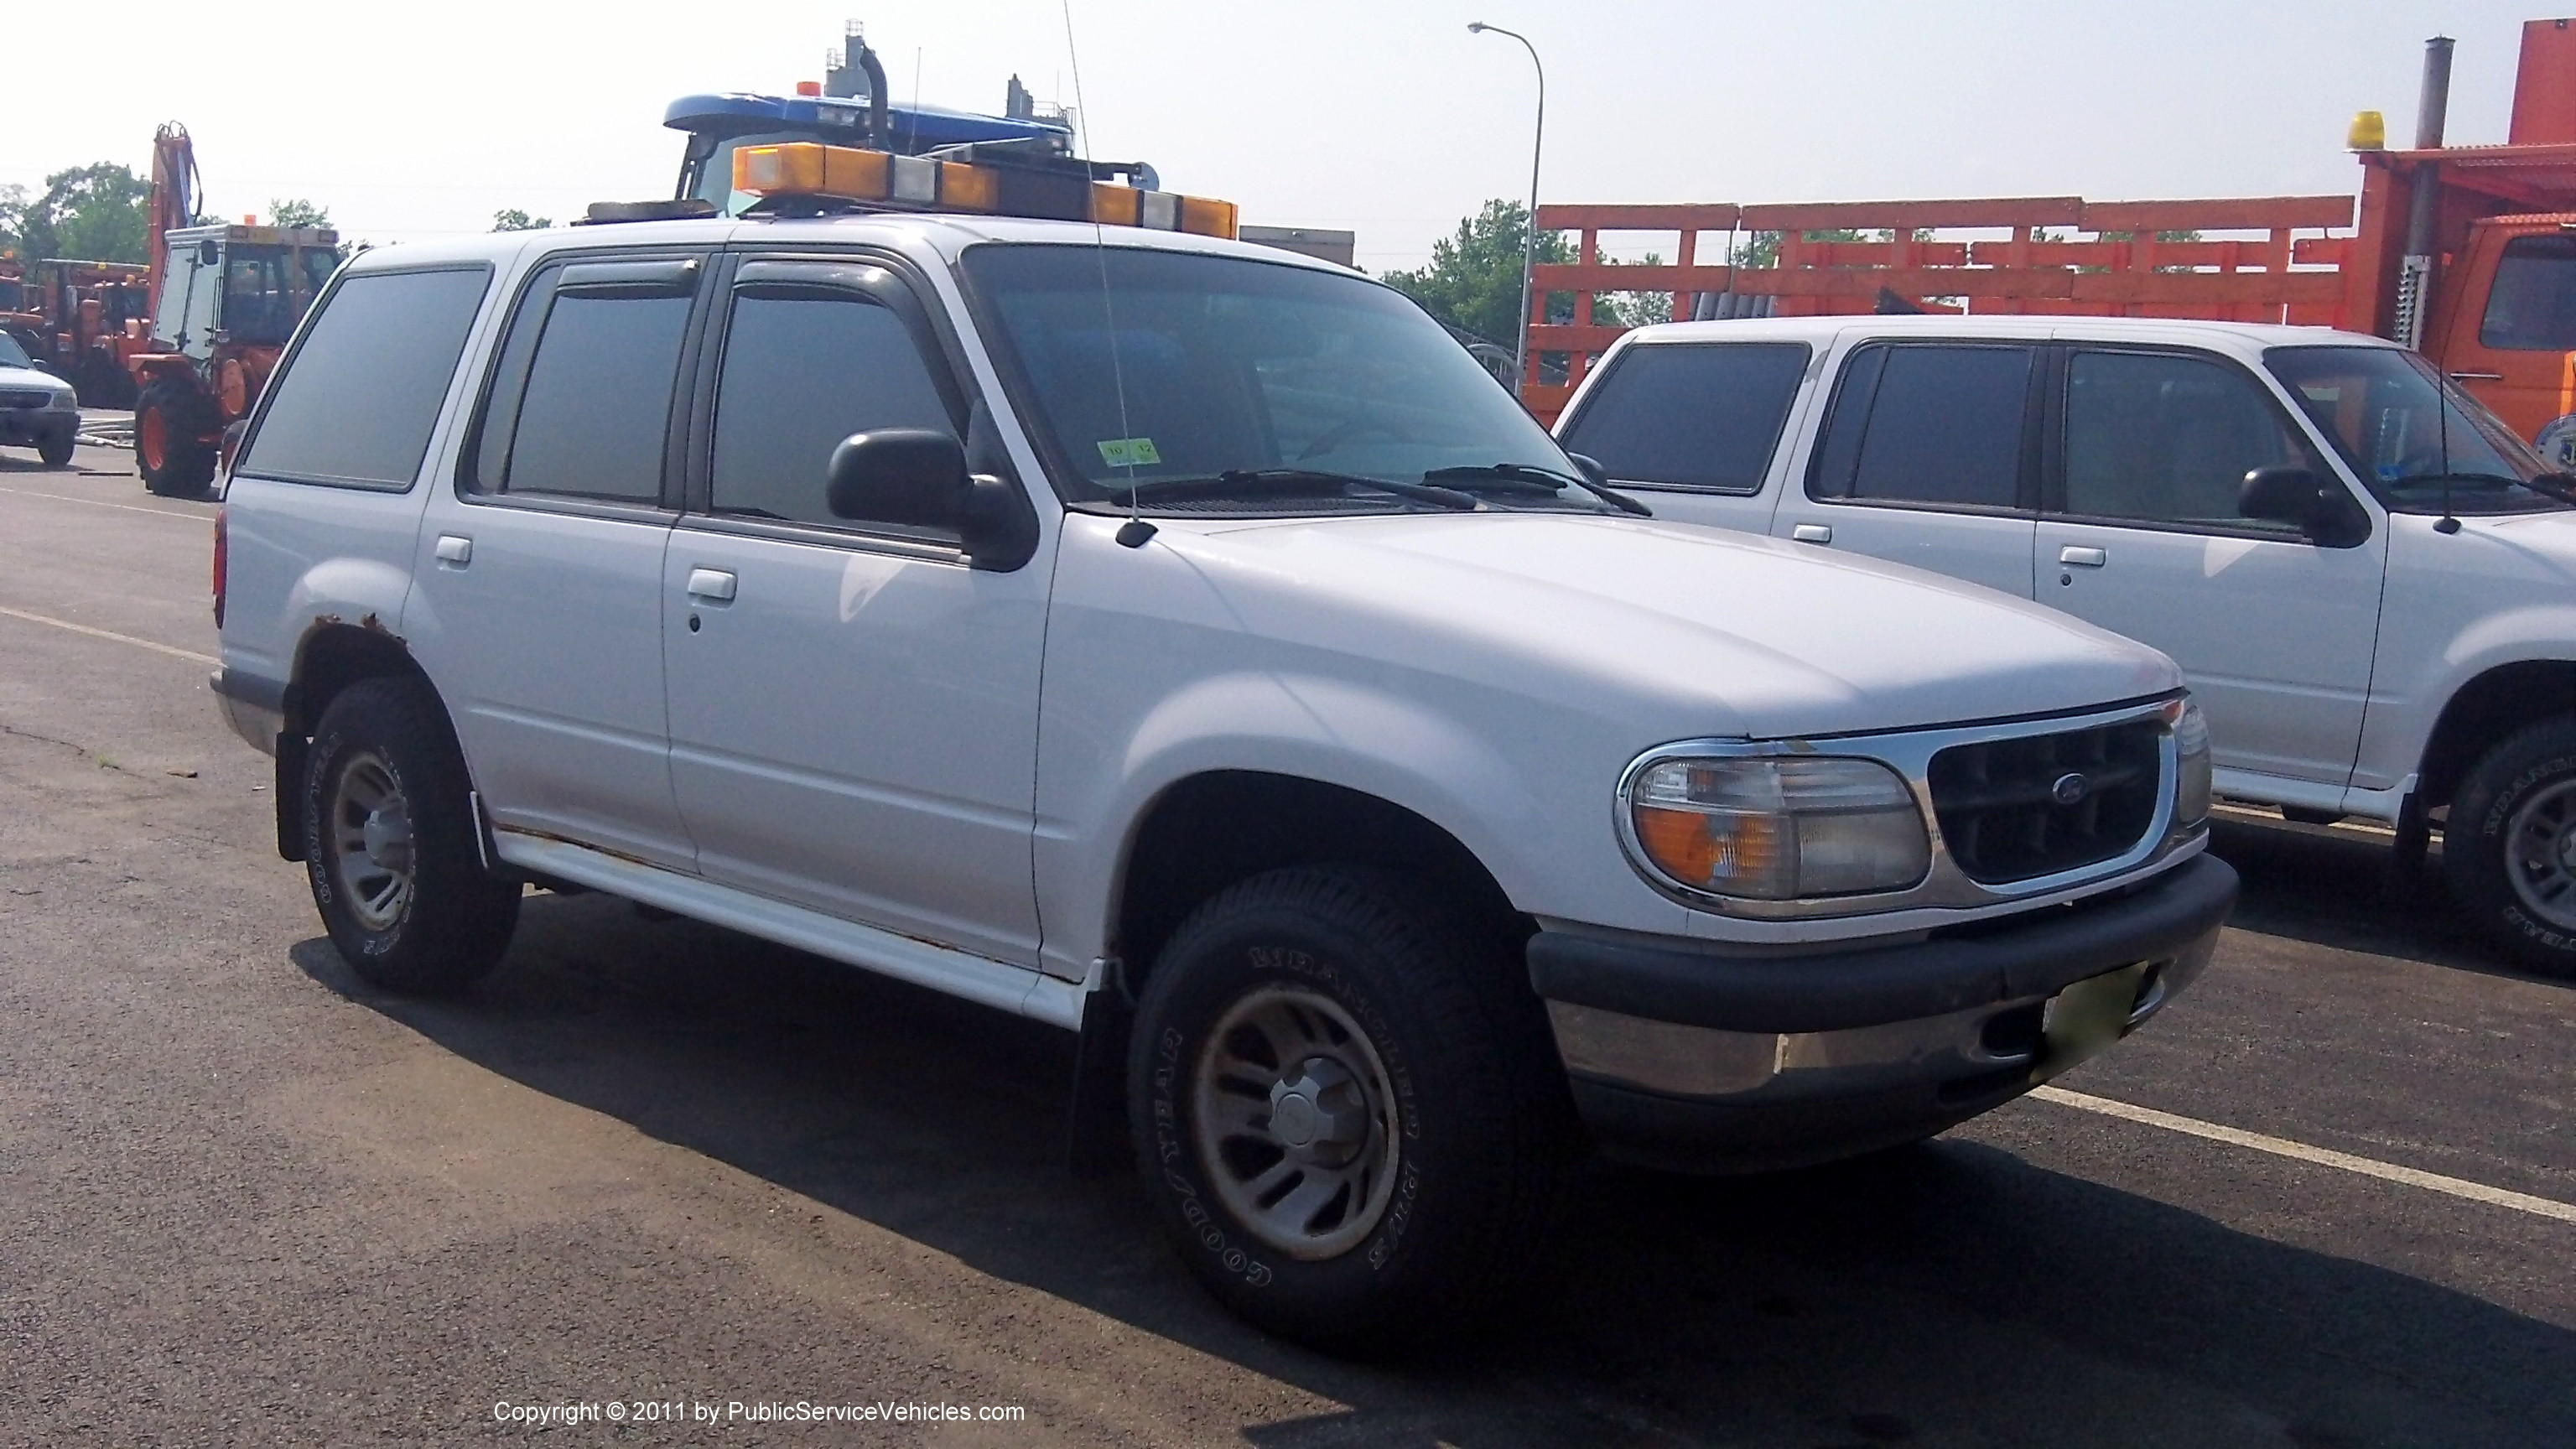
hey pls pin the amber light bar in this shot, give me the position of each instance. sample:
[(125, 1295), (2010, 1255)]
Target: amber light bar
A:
[(881, 178)]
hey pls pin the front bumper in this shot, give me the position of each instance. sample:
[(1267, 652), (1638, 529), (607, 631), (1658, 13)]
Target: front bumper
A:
[(1708, 1062), (27, 426)]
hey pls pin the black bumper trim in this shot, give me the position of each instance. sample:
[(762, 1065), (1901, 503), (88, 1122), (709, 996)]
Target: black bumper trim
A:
[(1839, 990), (256, 690)]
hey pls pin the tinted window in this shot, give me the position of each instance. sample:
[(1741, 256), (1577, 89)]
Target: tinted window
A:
[(357, 402), (1938, 425), (2533, 305), (598, 399), (1697, 416), (801, 374), (2169, 438)]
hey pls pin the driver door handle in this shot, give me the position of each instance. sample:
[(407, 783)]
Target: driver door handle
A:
[(2080, 557)]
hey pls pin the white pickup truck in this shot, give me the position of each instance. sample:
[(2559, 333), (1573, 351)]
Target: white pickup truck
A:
[(1187, 645), (2370, 583)]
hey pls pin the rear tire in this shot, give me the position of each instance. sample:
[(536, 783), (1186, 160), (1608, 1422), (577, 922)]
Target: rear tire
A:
[(2510, 847), (170, 451), (1349, 1109), (390, 848)]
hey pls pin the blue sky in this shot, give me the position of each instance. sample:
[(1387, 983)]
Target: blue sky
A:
[(1386, 118)]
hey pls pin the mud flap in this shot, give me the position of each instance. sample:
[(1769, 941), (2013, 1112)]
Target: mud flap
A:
[(289, 785), (1096, 1140)]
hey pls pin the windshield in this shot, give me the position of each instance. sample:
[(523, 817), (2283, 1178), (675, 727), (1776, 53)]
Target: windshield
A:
[(2418, 442), (262, 294), (11, 354), (1222, 366), (710, 179)]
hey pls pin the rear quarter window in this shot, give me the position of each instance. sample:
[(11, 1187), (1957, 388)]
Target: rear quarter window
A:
[(1692, 415), (357, 399)]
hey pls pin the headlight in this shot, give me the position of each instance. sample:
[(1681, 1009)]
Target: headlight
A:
[(65, 400), (2191, 748), (1778, 829)]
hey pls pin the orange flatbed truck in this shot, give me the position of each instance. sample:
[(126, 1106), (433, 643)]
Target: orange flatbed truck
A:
[(2465, 252)]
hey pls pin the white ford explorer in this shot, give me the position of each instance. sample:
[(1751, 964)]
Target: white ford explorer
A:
[(2370, 583), (1187, 645)]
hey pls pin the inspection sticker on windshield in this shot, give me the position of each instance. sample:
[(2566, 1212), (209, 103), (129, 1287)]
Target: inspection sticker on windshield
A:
[(1129, 452)]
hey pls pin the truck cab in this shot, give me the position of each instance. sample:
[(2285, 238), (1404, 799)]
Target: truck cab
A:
[(230, 296)]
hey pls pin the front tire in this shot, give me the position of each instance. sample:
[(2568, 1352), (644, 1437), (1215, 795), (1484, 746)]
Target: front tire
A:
[(389, 844), (2510, 847), (1349, 1108), (170, 450), (56, 452)]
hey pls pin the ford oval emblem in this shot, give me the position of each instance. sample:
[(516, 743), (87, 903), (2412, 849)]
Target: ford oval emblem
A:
[(2069, 789)]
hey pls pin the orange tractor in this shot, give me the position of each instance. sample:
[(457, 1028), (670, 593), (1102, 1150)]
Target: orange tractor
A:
[(225, 298), (2467, 253)]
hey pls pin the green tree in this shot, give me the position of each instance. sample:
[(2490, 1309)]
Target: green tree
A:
[(1474, 280), (13, 218), (296, 211), (513, 219), (95, 213)]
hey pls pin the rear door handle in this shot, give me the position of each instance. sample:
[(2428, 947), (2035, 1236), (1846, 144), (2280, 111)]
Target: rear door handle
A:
[(2077, 556), (713, 585), (455, 548), (1813, 533)]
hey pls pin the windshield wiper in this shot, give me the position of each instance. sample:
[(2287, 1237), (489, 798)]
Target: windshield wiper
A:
[(1241, 478), (1550, 478)]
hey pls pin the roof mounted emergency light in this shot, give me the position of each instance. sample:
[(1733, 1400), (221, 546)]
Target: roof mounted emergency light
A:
[(809, 170)]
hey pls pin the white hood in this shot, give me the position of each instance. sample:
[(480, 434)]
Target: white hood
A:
[(1747, 636)]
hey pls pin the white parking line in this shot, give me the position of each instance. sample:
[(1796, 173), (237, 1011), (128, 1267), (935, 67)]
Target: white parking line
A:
[(2323, 1157), (103, 503), (110, 634)]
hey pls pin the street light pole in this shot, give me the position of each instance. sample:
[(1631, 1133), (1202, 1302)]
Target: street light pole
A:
[(1529, 233)]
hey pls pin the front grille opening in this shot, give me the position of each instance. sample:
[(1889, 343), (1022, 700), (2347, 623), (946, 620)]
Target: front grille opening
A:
[(2015, 1033), (2005, 807)]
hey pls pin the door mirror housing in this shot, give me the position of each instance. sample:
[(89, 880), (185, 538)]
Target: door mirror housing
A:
[(917, 477), (2316, 507), (1592, 469), (209, 253), (914, 476), (2283, 493)]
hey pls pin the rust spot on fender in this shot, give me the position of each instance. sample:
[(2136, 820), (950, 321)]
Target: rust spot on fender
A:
[(374, 625)]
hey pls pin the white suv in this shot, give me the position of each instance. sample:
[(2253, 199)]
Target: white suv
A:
[(2369, 581), (1187, 645)]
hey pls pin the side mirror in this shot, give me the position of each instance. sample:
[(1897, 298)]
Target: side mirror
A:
[(1592, 469), (2283, 493), (917, 476), (913, 476), (208, 253), (2321, 510)]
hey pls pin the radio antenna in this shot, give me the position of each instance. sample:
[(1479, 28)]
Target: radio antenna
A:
[(1135, 531)]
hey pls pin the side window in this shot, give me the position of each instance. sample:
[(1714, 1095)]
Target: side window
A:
[(2165, 438), (593, 415), (1940, 425), (356, 403), (801, 372), (2533, 303), (1692, 416)]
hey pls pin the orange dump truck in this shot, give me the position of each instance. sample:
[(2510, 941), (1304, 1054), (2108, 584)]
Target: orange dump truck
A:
[(2466, 252)]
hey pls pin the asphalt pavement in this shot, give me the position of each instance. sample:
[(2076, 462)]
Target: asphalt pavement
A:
[(250, 1200)]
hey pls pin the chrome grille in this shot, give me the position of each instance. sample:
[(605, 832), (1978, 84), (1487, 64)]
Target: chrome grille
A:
[(2014, 809)]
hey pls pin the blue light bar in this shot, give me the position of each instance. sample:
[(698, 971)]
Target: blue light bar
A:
[(916, 128)]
